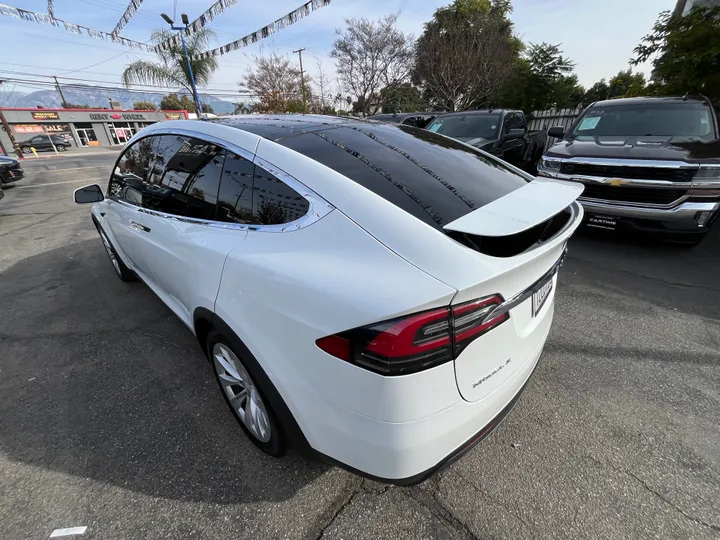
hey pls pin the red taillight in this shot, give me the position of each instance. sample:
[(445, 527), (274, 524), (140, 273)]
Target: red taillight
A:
[(415, 342), (469, 320)]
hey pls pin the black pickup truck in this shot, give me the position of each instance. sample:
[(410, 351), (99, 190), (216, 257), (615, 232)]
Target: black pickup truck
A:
[(649, 164), (500, 132)]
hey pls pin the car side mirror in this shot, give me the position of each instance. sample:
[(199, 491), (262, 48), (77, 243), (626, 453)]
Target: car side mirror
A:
[(88, 194), (556, 132), (512, 134)]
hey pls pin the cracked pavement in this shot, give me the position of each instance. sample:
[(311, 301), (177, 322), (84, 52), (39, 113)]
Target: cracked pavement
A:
[(110, 417)]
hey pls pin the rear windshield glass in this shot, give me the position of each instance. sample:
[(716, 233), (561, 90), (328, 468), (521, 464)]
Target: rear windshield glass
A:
[(681, 121), (467, 126), (432, 177)]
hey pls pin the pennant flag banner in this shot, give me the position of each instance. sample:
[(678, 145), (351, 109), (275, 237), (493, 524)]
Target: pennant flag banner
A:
[(129, 12), (26, 15), (213, 11), (286, 20)]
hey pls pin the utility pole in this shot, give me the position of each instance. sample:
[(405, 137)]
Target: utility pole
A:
[(6, 126), (302, 78), (57, 85)]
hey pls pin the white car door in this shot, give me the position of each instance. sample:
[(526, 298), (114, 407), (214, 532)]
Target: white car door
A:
[(187, 234), (123, 213)]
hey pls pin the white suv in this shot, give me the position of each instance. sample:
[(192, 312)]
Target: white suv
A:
[(379, 294)]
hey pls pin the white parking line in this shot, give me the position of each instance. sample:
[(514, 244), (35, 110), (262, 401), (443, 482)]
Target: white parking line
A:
[(76, 168), (71, 531), (58, 183)]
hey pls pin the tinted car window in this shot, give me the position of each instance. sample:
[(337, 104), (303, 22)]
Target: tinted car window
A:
[(430, 176), (236, 190), (273, 201), (509, 122), (132, 170), (185, 177)]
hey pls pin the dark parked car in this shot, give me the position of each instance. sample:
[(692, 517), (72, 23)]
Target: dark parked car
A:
[(648, 164), (502, 133), (10, 170), (43, 142), (416, 119)]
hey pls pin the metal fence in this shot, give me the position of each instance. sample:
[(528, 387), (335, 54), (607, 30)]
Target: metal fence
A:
[(553, 117)]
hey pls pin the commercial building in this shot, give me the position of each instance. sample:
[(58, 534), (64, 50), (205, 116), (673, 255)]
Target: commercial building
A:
[(81, 127)]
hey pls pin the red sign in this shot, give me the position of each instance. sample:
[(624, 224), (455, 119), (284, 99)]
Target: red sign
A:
[(28, 128), (116, 116)]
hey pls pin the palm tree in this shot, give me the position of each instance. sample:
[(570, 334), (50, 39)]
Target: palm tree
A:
[(172, 70)]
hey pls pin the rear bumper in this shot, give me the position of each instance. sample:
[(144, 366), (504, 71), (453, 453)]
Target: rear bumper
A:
[(404, 453), (682, 218), (447, 460)]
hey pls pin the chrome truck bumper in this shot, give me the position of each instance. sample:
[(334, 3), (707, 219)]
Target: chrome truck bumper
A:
[(686, 215)]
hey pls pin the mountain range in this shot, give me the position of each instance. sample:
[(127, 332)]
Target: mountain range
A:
[(96, 97)]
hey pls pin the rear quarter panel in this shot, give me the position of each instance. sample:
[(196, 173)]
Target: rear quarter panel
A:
[(280, 292)]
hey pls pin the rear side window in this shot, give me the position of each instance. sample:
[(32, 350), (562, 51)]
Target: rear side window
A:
[(236, 190), (432, 177), (274, 202)]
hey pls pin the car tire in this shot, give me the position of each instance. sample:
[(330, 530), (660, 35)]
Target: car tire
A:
[(61, 147), (25, 149), (245, 398), (122, 271)]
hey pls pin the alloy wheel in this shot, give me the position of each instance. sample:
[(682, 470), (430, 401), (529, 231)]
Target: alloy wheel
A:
[(110, 252), (241, 392)]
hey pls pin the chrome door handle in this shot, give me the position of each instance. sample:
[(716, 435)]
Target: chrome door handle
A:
[(139, 227)]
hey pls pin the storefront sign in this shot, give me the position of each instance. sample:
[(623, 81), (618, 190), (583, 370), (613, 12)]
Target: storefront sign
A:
[(28, 128), (174, 116), (45, 115), (107, 117), (56, 128)]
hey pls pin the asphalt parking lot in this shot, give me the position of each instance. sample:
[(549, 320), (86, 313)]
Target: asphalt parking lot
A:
[(110, 417)]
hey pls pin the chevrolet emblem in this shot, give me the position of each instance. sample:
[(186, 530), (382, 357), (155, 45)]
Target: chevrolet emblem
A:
[(617, 182)]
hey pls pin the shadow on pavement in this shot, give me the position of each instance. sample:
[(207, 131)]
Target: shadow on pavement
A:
[(100, 380), (669, 275)]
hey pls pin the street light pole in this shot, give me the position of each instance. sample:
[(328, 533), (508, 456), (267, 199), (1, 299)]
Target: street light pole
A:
[(185, 21)]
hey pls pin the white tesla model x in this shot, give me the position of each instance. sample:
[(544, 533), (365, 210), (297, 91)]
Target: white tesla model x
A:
[(378, 294)]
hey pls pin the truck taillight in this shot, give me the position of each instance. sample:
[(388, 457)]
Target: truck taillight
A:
[(415, 342)]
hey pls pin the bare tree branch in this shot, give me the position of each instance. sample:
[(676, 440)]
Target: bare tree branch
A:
[(370, 55)]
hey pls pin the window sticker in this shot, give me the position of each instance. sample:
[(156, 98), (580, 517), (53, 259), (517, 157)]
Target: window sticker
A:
[(589, 122)]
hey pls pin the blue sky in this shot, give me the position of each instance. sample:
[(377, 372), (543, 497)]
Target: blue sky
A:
[(597, 35)]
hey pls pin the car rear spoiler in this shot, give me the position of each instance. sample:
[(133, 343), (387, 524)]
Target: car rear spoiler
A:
[(519, 210)]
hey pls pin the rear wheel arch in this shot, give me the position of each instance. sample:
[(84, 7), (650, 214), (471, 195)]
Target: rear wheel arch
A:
[(205, 322)]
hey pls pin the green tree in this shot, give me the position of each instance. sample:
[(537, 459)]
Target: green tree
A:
[(144, 106), (685, 53), (597, 92), (626, 83), (466, 54), (77, 106), (542, 78), (207, 108), (173, 102), (172, 69), (243, 108), (402, 97)]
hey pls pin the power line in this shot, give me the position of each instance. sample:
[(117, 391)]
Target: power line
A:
[(77, 86), (85, 81)]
